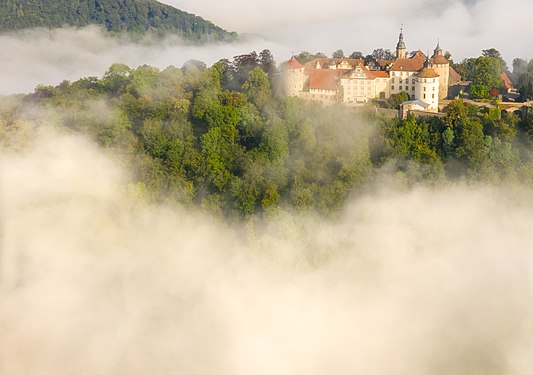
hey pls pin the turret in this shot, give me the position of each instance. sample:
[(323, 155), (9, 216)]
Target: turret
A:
[(401, 51), (294, 77), (442, 67)]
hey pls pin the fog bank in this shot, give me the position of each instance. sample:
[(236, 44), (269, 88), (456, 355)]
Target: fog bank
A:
[(42, 56), (93, 280)]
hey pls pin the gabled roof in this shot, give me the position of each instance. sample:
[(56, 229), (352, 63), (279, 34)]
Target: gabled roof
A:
[(325, 61), (412, 64), (369, 74), (293, 64), (323, 79)]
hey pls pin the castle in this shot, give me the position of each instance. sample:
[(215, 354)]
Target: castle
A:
[(425, 79)]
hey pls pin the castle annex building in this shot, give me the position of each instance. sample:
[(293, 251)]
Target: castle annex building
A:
[(425, 79)]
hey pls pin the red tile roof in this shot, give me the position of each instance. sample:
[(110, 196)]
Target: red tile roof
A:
[(324, 79), (293, 64), (439, 59), (413, 64), (506, 81), (380, 74)]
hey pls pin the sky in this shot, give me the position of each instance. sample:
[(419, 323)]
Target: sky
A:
[(464, 28)]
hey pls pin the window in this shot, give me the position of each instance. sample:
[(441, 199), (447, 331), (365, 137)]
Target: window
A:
[(424, 88), (424, 96), (433, 96), (392, 87), (413, 88), (413, 81), (401, 87), (401, 80)]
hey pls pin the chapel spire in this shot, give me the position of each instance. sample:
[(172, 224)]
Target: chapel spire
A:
[(401, 51)]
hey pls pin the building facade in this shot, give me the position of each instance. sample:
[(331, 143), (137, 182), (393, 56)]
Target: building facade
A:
[(356, 81)]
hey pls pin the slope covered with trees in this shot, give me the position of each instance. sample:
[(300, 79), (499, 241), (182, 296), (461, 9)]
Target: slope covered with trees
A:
[(135, 16), (221, 138)]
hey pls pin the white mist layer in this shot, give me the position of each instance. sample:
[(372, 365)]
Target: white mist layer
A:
[(42, 56), (419, 282), (465, 27)]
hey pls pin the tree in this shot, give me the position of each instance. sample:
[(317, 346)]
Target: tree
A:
[(338, 54), (523, 77), (396, 100), (257, 88), (357, 55), (485, 76), (194, 65), (305, 56), (495, 54), (267, 62), (382, 54), (243, 65), (116, 79)]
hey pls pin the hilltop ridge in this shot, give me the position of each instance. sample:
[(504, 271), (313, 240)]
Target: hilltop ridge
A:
[(132, 16)]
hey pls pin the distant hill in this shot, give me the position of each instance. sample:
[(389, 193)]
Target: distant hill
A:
[(133, 16)]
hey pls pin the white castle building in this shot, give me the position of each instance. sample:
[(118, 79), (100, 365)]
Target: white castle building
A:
[(425, 79)]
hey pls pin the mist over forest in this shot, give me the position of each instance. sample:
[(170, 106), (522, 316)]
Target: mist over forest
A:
[(165, 209)]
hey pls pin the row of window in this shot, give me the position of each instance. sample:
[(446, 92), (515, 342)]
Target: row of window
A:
[(402, 81)]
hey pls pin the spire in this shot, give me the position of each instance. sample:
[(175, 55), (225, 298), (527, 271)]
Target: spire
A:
[(438, 50), (427, 64), (401, 43), (401, 51)]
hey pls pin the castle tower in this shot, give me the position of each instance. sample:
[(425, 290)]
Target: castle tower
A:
[(401, 51), (427, 86), (293, 77), (442, 67)]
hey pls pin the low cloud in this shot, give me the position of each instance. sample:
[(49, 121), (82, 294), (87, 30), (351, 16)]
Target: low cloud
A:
[(94, 280), (42, 56), (464, 27)]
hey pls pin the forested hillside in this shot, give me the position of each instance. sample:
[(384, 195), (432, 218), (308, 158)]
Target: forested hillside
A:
[(221, 139), (135, 16)]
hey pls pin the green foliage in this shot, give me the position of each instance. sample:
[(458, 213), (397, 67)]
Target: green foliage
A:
[(191, 135), (396, 100), (305, 56), (485, 76), (134, 16)]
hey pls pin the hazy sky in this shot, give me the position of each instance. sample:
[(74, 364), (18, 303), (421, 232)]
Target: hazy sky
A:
[(465, 27)]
